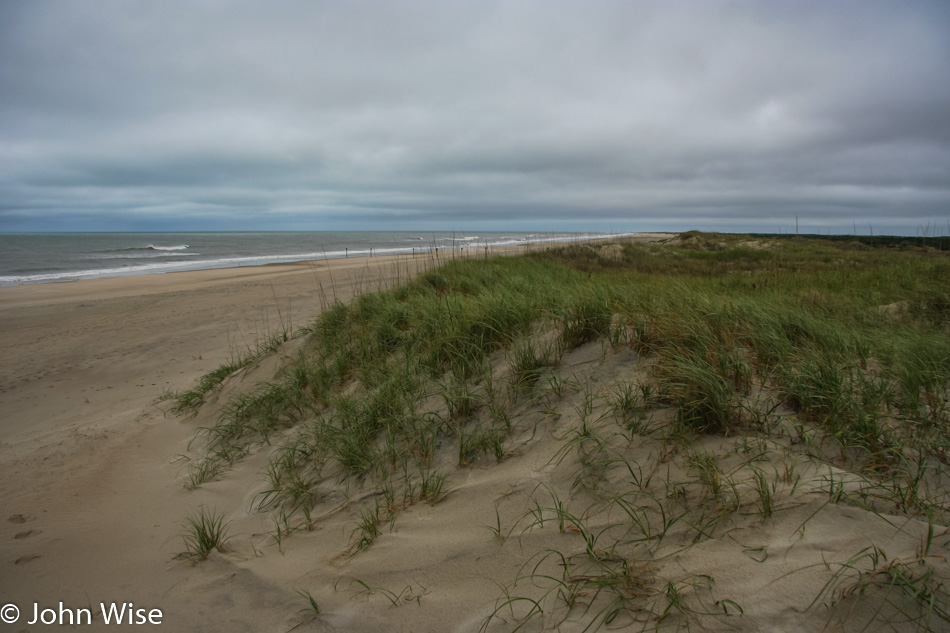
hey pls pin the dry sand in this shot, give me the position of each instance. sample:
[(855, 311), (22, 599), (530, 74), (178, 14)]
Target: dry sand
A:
[(93, 501)]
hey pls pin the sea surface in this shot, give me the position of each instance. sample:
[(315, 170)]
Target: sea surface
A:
[(28, 258)]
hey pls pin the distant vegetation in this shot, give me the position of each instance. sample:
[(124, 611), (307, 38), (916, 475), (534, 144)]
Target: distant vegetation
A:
[(941, 242)]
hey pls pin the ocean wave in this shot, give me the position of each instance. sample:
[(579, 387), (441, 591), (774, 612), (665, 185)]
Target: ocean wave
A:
[(73, 275), (150, 247), (167, 248), (456, 240), (141, 254)]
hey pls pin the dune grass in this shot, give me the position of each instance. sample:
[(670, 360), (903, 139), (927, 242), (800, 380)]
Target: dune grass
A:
[(204, 532), (792, 350), (189, 400)]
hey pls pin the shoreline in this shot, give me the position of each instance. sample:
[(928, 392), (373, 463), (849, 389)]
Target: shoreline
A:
[(223, 261), (60, 335)]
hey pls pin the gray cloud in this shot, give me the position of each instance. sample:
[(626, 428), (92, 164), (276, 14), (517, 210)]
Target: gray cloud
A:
[(449, 115)]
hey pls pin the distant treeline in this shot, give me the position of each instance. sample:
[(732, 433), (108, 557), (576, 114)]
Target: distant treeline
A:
[(893, 241)]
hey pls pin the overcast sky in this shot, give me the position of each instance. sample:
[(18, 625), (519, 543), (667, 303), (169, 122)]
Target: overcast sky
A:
[(476, 115)]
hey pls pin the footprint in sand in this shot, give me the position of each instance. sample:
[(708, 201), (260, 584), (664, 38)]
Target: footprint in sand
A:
[(27, 534), (23, 560), (17, 518)]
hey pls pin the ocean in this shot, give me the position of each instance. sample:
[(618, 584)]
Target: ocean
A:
[(28, 258)]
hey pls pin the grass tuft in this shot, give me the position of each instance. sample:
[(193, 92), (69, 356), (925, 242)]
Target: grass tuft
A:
[(205, 531)]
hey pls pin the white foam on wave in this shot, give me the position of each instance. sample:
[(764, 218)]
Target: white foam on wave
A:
[(140, 255), (167, 248)]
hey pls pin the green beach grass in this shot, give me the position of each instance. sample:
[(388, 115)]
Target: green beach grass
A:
[(794, 358)]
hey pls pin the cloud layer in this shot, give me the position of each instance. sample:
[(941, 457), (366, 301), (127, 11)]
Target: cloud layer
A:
[(459, 115)]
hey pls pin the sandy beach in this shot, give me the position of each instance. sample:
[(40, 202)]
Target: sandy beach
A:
[(88, 476)]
